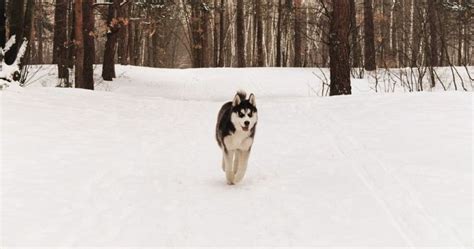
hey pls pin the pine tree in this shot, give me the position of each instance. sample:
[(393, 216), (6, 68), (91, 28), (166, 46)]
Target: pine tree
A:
[(339, 48), (369, 36)]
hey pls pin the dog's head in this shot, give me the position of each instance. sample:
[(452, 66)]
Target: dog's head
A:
[(244, 111)]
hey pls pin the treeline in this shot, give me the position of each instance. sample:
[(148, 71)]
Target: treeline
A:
[(239, 33)]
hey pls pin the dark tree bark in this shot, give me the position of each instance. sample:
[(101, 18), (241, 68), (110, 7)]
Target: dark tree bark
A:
[(355, 45), (222, 34), (155, 50), (70, 45), (196, 32), (215, 41), (240, 46), (199, 34), (206, 51), (369, 36), (89, 43), (123, 38), (136, 44), (259, 22), (385, 31), (416, 35), (401, 34), (299, 31), (2, 24), (16, 13), (131, 42), (278, 39), (60, 51), (113, 25), (79, 44), (28, 29), (39, 30), (339, 48), (433, 43)]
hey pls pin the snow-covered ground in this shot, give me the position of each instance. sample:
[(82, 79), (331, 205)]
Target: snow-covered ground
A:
[(135, 164)]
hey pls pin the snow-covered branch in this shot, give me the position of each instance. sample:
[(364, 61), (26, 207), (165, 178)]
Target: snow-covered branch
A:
[(10, 73), (8, 45)]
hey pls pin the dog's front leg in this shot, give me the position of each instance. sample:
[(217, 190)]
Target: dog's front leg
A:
[(236, 164), (223, 161), (229, 171), (242, 167)]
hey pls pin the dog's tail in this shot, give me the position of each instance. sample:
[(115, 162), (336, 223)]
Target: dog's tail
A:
[(242, 94)]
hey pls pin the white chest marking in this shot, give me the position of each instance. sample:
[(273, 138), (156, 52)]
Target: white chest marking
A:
[(239, 140)]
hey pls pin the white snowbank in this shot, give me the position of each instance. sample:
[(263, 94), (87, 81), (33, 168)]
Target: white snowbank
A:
[(139, 166)]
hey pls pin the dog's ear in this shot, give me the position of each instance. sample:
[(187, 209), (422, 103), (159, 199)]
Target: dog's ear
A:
[(252, 100), (236, 101)]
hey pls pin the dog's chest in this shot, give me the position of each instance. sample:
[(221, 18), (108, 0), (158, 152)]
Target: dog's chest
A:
[(238, 141)]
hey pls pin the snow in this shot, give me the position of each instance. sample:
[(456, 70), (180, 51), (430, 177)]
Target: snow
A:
[(135, 164)]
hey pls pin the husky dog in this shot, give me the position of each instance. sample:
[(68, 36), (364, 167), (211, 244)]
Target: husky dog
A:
[(235, 131)]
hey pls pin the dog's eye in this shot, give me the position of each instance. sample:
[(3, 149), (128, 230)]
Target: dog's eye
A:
[(241, 115), (250, 114)]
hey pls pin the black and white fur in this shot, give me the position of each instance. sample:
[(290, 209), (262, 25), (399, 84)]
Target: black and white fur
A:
[(235, 132)]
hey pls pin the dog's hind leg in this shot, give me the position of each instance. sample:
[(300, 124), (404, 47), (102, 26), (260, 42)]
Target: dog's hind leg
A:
[(242, 167), (229, 171)]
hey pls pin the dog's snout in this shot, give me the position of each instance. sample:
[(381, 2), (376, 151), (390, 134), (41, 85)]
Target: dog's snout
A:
[(247, 123)]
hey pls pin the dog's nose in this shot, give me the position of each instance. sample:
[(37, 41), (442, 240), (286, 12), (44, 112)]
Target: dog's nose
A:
[(247, 123)]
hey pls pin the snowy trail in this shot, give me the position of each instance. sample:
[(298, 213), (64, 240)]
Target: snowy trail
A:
[(408, 214), (139, 166)]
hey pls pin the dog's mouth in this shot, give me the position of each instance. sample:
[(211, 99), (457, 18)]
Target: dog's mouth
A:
[(245, 128)]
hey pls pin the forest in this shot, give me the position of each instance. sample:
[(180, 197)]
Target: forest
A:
[(350, 36)]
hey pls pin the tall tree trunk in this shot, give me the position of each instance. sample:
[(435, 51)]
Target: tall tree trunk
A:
[(15, 17), (60, 51), (298, 33), (206, 52), (278, 39), (369, 36), (28, 27), (2, 24), (394, 33), (131, 42), (339, 48), (222, 34), (259, 22), (71, 48), (32, 53), (432, 17), (123, 39), (29, 30), (79, 44), (240, 46), (199, 33), (89, 43), (215, 31), (156, 47), (39, 29), (417, 20), (113, 26), (136, 44), (196, 33), (444, 56), (467, 41), (385, 31), (402, 35), (460, 39), (355, 45)]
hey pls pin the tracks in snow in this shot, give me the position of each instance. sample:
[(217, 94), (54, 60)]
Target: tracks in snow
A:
[(401, 203)]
